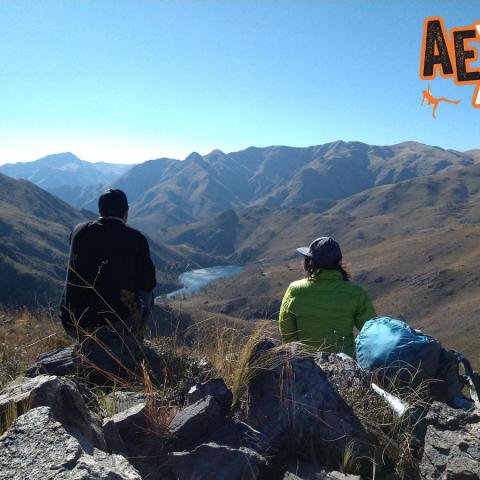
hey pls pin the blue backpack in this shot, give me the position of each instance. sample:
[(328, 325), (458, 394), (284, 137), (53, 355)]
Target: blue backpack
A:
[(407, 357)]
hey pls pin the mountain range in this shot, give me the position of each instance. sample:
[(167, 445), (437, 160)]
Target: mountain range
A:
[(66, 176), (316, 177), (167, 192), (406, 215), (415, 246)]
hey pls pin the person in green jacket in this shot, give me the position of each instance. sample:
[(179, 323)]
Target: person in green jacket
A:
[(322, 309)]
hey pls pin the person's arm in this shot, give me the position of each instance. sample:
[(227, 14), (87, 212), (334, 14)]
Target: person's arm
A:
[(145, 267), (287, 319), (66, 315), (365, 310)]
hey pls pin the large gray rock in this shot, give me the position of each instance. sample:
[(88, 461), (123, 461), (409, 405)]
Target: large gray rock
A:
[(195, 422), (37, 446), (211, 461), (62, 395), (452, 445), (294, 404), (215, 388)]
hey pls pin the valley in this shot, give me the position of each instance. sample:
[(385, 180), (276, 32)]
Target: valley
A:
[(406, 216)]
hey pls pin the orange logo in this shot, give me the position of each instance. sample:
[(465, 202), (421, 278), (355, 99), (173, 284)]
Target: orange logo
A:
[(432, 101), (450, 57)]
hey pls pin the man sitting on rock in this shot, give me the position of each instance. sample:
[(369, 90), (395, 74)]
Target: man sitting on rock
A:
[(109, 290)]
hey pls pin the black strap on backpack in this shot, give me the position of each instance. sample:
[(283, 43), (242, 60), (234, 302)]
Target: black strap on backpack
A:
[(473, 377)]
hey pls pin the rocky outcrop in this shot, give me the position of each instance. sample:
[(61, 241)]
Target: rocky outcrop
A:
[(63, 361), (63, 397), (291, 423), (342, 371), (215, 388), (135, 436), (193, 424), (294, 404), (211, 461), (37, 446), (302, 471), (452, 444)]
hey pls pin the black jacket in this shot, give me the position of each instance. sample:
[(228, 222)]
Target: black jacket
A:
[(109, 264)]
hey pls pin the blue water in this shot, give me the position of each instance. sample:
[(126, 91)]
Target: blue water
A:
[(194, 280)]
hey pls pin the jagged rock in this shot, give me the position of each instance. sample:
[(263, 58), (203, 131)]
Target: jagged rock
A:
[(132, 434), (220, 462), (37, 446), (112, 437), (235, 434), (123, 400), (294, 403), (217, 389), (452, 444), (122, 429), (123, 404), (343, 371), (68, 361), (63, 361), (62, 395), (195, 422), (306, 471)]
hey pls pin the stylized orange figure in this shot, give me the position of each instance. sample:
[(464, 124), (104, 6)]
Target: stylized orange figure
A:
[(431, 100)]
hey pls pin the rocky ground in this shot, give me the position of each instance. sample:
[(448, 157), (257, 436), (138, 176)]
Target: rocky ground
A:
[(297, 417)]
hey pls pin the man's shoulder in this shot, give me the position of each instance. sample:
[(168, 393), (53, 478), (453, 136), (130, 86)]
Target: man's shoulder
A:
[(80, 227), (136, 234)]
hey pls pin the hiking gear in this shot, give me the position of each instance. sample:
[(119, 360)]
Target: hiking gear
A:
[(324, 251), (108, 267), (398, 406), (113, 202), (321, 312), (407, 358)]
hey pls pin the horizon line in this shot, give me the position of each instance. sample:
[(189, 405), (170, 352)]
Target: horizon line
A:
[(226, 152)]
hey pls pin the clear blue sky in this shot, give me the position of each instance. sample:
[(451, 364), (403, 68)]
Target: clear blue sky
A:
[(131, 80)]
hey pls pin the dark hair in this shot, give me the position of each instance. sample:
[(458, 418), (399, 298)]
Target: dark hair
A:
[(107, 212), (113, 203), (310, 268)]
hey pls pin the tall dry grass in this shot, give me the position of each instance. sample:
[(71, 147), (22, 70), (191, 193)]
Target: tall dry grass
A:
[(24, 335)]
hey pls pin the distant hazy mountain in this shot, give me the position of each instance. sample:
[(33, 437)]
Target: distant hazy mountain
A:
[(166, 192), (66, 176)]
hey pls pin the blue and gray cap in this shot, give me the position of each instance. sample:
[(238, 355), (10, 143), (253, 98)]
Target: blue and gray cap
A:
[(324, 251)]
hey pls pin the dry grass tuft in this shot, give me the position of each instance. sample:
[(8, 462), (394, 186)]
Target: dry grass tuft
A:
[(157, 413), (396, 443), (24, 335), (11, 412)]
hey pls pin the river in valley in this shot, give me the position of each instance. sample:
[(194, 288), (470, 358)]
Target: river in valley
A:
[(195, 280)]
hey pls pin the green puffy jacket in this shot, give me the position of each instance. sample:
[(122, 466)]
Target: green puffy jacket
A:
[(323, 311)]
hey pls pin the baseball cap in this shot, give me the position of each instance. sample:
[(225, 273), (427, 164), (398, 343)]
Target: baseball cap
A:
[(113, 202), (324, 251)]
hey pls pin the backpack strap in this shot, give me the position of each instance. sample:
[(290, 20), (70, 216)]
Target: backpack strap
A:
[(472, 377)]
